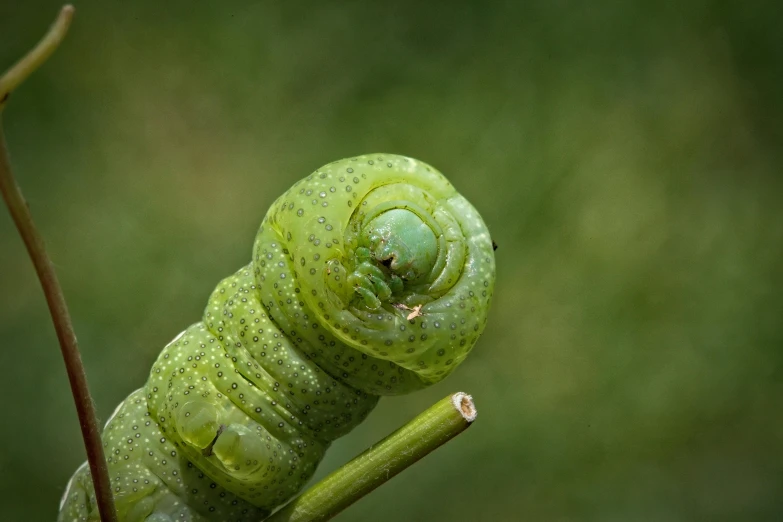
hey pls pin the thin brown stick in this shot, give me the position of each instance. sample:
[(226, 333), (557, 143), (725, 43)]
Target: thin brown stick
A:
[(58, 309), (37, 55)]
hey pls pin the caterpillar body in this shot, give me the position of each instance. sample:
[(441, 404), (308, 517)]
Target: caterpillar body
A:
[(372, 276)]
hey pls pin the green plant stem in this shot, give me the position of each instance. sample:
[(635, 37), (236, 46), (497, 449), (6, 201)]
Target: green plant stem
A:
[(58, 309), (382, 461)]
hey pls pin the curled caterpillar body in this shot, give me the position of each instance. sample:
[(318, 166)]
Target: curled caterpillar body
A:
[(370, 277)]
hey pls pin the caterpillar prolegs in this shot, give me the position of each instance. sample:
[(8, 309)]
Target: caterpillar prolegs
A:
[(370, 277)]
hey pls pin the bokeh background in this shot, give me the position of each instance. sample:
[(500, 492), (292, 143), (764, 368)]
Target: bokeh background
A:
[(625, 155)]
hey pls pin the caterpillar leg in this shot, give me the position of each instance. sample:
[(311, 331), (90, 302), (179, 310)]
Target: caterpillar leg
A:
[(151, 479), (78, 500), (237, 447), (198, 423), (148, 500)]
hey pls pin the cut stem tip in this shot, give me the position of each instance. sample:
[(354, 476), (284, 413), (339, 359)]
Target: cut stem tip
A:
[(465, 406)]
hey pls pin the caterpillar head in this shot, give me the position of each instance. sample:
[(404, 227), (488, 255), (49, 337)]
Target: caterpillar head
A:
[(389, 265)]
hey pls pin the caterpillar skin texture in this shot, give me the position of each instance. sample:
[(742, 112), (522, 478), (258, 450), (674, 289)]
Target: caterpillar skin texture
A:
[(370, 277)]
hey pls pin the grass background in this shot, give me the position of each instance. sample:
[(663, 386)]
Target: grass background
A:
[(625, 155)]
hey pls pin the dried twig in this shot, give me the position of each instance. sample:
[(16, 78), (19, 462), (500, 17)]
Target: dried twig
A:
[(33, 240)]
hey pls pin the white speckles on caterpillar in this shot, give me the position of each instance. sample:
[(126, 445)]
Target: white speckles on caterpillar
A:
[(370, 277)]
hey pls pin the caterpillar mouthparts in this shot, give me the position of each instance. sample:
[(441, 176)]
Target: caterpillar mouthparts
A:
[(372, 276)]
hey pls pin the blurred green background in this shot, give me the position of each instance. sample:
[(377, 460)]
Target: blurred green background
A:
[(625, 155)]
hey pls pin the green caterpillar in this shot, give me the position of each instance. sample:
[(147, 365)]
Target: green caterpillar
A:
[(372, 276)]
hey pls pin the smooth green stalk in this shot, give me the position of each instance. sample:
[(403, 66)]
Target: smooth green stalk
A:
[(33, 240), (382, 461)]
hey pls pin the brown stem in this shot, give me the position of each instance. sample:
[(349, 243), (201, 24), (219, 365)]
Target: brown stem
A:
[(58, 309)]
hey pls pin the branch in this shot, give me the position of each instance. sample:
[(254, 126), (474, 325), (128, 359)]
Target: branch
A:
[(37, 56), (58, 309), (432, 428)]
